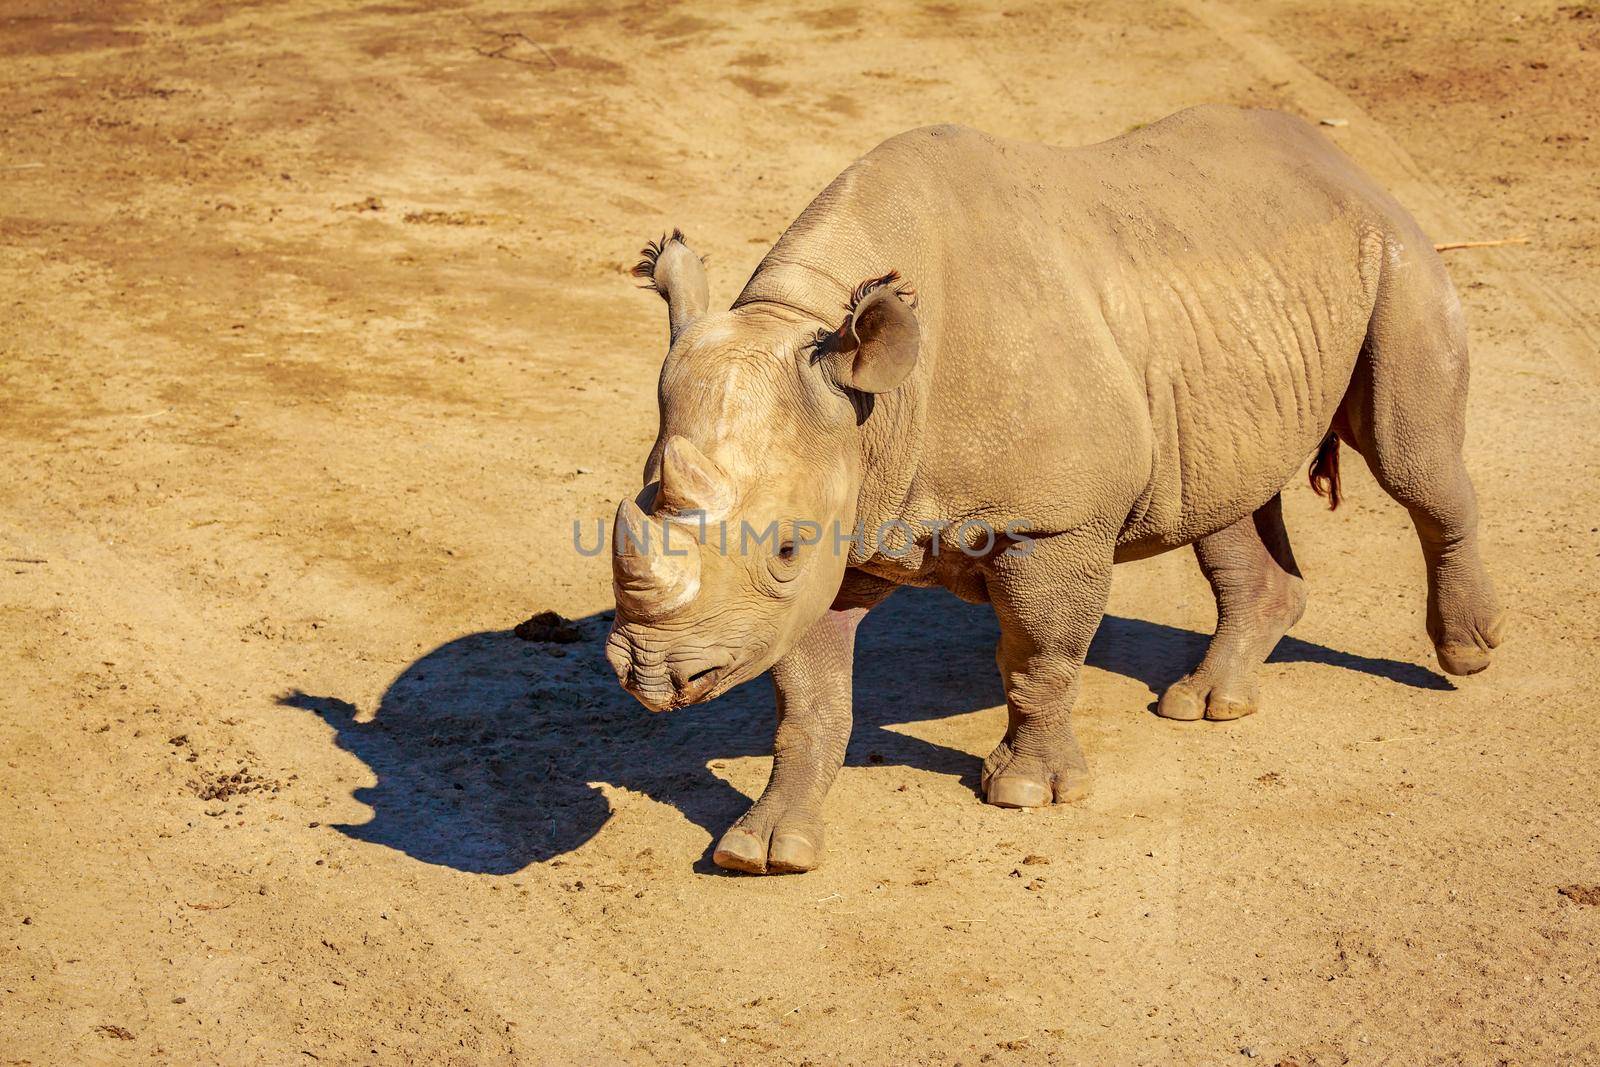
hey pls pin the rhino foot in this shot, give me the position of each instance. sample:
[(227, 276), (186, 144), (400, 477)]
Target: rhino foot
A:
[(1202, 697), (762, 844), (1470, 627), (1014, 780)]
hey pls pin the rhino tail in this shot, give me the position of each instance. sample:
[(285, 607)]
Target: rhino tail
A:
[(1324, 472)]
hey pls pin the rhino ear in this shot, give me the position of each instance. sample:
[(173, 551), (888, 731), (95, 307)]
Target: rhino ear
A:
[(876, 348), (671, 269)]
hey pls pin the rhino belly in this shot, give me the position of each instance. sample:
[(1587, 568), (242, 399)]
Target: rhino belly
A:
[(1242, 381)]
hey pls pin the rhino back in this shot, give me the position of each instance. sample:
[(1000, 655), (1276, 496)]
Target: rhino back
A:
[(1152, 331)]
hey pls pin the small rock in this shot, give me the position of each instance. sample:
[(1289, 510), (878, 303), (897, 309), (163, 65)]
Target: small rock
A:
[(1033, 859), (1336, 123), (1250, 1051)]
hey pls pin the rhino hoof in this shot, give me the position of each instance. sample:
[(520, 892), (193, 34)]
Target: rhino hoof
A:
[(1197, 698), (1462, 659), (789, 852), (1469, 634)]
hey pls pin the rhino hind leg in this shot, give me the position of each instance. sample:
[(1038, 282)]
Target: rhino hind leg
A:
[(1260, 595), (1405, 412), (1049, 604)]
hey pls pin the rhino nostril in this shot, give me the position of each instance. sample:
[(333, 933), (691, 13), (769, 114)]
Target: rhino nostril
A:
[(697, 675)]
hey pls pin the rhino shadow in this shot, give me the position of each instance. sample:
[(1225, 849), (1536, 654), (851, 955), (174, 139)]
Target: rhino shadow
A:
[(488, 751)]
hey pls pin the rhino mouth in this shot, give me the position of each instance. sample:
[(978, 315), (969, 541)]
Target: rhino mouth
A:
[(711, 682), (661, 690), (697, 688)]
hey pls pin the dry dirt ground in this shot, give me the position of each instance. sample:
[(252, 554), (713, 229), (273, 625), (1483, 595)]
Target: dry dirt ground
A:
[(316, 338)]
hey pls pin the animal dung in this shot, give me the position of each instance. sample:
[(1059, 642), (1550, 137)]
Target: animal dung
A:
[(548, 627)]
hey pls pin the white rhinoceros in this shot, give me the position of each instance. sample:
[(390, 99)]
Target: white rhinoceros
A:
[(1017, 365)]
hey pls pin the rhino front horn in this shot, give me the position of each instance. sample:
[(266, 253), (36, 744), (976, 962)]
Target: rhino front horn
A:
[(652, 573), (691, 481)]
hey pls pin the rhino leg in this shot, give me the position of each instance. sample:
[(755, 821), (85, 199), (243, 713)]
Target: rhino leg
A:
[(1049, 603), (782, 832), (1405, 412), (1260, 594)]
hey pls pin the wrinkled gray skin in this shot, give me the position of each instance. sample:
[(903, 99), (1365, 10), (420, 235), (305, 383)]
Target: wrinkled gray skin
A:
[(1119, 350)]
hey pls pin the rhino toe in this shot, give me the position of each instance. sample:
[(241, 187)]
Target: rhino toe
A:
[(1015, 791), (740, 850), (791, 852), (1183, 702)]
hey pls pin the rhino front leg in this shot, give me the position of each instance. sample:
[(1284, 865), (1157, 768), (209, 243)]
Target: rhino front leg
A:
[(1049, 603), (782, 832)]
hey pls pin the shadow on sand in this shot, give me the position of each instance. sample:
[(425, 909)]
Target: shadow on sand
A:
[(485, 748)]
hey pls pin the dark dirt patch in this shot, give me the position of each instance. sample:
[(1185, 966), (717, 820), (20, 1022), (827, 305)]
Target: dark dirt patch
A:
[(1581, 894), (446, 218)]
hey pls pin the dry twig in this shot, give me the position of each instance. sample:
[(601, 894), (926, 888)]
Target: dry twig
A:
[(1449, 245)]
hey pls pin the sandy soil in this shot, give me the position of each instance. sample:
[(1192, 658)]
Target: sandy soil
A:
[(316, 338)]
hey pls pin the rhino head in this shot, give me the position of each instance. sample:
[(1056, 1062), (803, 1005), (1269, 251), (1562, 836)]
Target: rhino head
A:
[(740, 538)]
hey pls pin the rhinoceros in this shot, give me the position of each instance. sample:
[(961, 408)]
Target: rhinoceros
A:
[(1027, 364)]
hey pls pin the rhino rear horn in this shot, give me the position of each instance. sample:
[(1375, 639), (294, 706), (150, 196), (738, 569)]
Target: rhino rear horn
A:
[(691, 481), (668, 267)]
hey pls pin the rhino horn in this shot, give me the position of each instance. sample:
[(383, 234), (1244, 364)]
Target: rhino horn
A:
[(650, 575), (691, 481)]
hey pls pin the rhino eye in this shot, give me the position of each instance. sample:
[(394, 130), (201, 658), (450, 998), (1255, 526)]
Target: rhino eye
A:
[(784, 566)]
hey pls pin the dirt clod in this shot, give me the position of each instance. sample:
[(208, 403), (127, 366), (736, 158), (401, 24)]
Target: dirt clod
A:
[(221, 785)]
